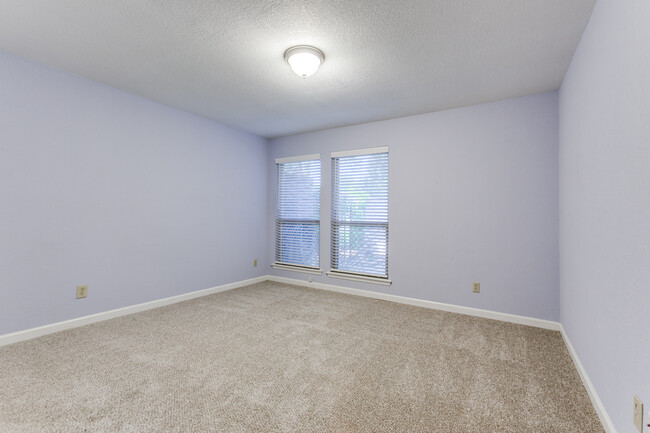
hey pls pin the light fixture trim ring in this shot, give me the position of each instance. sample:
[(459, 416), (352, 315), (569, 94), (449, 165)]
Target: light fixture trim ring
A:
[(304, 49)]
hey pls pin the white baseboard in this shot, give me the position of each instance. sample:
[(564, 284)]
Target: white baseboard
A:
[(593, 395), (504, 317), (98, 317), (93, 318)]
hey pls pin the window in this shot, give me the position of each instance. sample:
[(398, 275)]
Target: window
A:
[(360, 215), (297, 222)]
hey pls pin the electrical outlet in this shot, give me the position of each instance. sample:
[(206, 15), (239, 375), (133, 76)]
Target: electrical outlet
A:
[(476, 288), (82, 291), (255, 263), (638, 413)]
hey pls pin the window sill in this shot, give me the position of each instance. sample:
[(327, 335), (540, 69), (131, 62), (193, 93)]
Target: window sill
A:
[(297, 269), (363, 278)]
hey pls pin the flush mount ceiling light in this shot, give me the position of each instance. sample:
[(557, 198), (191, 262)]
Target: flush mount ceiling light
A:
[(304, 60)]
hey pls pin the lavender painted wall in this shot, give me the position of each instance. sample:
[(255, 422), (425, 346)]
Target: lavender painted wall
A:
[(135, 199), (473, 197), (605, 204)]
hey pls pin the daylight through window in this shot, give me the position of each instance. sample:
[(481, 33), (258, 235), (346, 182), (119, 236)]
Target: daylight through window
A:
[(360, 212), (298, 212)]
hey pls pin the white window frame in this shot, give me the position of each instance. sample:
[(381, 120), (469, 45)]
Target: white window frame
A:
[(278, 221), (349, 275)]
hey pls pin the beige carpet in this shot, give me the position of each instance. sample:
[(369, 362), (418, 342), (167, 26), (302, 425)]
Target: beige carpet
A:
[(277, 358)]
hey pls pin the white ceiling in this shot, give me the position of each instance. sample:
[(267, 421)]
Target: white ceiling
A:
[(383, 58)]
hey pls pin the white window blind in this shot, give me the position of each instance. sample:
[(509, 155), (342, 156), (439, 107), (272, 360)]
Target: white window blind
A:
[(298, 211), (360, 212)]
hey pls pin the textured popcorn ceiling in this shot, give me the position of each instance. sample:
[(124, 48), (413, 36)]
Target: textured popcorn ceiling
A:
[(383, 58)]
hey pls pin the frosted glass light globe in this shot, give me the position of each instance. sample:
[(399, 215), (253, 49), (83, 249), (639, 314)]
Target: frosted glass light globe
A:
[(304, 60)]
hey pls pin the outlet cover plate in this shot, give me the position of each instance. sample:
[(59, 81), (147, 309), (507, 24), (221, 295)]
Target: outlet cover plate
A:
[(476, 287), (638, 413), (82, 291)]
